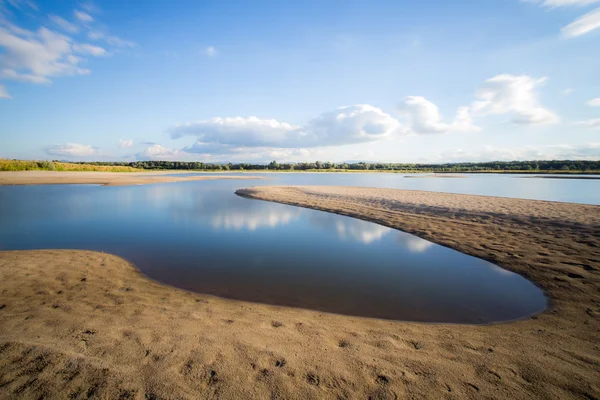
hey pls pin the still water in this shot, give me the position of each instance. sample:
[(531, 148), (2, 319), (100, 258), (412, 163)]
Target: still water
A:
[(199, 236), (550, 188)]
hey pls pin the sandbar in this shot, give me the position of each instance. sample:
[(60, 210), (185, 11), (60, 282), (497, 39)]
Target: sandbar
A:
[(82, 324), (101, 178)]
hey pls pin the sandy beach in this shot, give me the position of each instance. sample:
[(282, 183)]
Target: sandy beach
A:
[(101, 178), (80, 324)]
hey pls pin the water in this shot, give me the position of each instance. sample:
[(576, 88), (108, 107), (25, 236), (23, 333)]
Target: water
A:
[(199, 236), (585, 191)]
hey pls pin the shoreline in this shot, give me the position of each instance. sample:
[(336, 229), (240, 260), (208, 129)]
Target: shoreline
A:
[(77, 323), (100, 178)]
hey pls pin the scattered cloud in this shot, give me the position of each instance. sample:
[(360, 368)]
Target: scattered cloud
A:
[(89, 7), (568, 91), (125, 143), (563, 3), (159, 152), (594, 102), (72, 150), (37, 56), (210, 51), (89, 49), (582, 25), (4, 93), (352, 124), (516, 95), (589, 123), (22, 4), (424, 117), (64, 24), (110, 39), (588, 151), (83, 16)]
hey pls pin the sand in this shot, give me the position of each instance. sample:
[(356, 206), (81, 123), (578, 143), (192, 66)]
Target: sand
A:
[(80, 324), (434, 176), (100, 178), (563, 177)]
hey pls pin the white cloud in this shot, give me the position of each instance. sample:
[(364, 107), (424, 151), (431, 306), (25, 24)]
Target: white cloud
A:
[(89, 49), (125, 143), (594, 102), (589, 123), (516, 95), (21, 4), (568, 91), (210, 51), (424, 117), (117, 41), (352, 124), (64, 24), (110, 39), (72, 150), (589, 151), (159, 152), (250, 131), (582, 25), (563, 3), (36, 57), (4, 93), (83, 16)]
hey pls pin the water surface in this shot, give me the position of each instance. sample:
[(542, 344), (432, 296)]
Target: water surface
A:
[(585, 191), (199, 236)]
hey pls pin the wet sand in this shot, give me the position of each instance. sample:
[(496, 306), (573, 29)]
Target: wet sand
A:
[(84, 324), (101, 178)]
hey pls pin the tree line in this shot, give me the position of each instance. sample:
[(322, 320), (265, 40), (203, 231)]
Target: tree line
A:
[(494, 166), (555, 165)]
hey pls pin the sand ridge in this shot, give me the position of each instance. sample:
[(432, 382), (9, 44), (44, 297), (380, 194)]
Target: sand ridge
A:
[(102, 178), (80, 324)]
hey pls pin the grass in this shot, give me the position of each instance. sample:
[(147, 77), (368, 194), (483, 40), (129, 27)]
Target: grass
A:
[(22, 165)]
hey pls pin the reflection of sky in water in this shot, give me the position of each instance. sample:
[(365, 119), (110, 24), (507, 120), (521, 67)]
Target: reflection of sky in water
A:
[(517, 186), (200, 236), (253, 221), (413, 244)]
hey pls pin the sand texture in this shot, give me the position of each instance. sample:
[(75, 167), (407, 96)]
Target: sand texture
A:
[(100, 178), (80, 324)]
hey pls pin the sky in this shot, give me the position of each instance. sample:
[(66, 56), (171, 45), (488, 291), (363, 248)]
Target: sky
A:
[(292, 81)]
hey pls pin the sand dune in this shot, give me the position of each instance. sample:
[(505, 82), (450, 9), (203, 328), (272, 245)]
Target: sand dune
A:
[(79, 324)]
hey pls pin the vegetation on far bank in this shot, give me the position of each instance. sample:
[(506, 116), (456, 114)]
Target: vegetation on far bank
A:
[(24, 165), (555, 166)]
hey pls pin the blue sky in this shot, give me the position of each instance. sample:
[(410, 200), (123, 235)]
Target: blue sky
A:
[(394, 81)]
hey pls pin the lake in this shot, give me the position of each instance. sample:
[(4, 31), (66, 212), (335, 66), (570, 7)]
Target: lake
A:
[(200, 236)]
